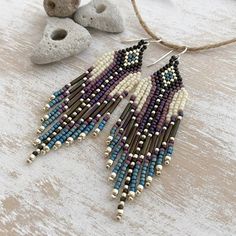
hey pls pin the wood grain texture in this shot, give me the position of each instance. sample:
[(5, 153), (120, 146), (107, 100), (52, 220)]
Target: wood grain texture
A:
[(66, 192)]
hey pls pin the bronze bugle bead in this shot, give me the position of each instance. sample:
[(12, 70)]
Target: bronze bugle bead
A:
[(81, 113), (134, 143), (150, 146), (73, 107), (74, 99), (131, 135), (175, 128), (160, 139), (114, 105), (129, 127), (126, 121), (75, 89), (78, 79), (126, 110), (123, 116), (101, 107), (104, 110), (145, 146), (167, 133), (92, 111), (153, 143)]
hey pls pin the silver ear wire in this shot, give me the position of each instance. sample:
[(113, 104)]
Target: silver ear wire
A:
[(153, 41), (168, 53), (181, 53), (133, 40), (149, 40), (161, 58)]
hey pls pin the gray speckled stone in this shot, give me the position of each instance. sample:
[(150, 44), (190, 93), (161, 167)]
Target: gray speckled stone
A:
[(100, 14), (61, 38), (60, 8)]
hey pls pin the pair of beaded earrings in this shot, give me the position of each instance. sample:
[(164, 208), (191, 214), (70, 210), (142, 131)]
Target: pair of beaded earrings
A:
[(142, 139)]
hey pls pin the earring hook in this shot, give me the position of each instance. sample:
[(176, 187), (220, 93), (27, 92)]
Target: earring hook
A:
[(149, 40), (133, 40), (181, 53), (154, 41), (161, 58)]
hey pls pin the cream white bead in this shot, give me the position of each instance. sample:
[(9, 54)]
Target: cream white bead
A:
[(67, 143), (120, 211), (139, 189), (167, 160), (70, 139), (38, 131), (108, 150), (128, 178), (131, 195), (109, 139), (36, 142), (109, 163), (112, 176), (82, 135), (29, 161), (52, 97), (41, 128), (43, 152), (58, 143), (46, 148), (45, 117), (47, 107), (159, 167), (114, 193), (48, 139), (96, 132), (148, 181), (31, 158)]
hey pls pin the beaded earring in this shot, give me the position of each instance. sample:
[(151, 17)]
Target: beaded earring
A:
[(89, 100), (142, 140)]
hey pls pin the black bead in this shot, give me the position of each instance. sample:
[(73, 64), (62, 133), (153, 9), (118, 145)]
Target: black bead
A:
[(125, 191), (141, 42), (173, 58), (123, 199), (120, 206), (35, 153)]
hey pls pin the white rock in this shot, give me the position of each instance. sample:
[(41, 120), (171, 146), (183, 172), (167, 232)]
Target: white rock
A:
[(61, 38), (60, 8), (100, 14)]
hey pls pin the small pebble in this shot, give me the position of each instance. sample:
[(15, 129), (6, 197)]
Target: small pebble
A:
[(102, 15), (60, 8), (62, 38)]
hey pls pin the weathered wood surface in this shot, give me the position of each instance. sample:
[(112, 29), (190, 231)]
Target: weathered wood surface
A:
[(66, 192)]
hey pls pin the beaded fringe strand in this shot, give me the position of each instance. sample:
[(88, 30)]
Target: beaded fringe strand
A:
[(142, 140), (87, 102)]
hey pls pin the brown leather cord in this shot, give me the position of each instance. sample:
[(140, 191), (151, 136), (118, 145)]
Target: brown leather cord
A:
[(177, 46)]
